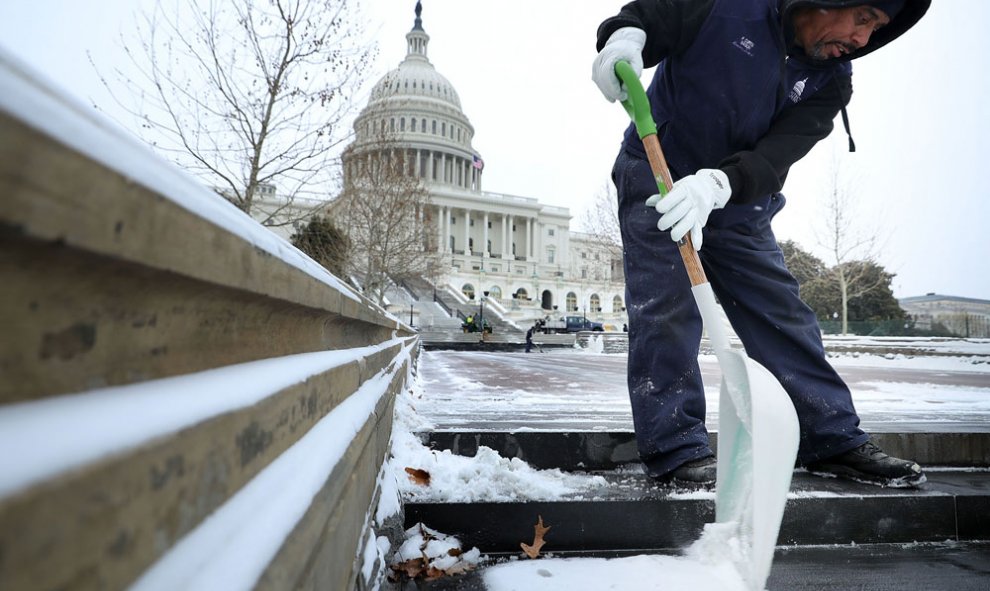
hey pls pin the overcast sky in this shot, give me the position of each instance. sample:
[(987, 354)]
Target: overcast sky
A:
[(522, 70)]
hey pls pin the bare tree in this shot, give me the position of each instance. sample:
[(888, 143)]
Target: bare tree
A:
[(848, 241), (384, 210), (601, 222), (601, 218), (249, 94)]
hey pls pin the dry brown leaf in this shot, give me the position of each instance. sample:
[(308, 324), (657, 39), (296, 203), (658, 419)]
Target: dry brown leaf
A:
[(411, 568), (421, 567), (534, 550), (419, 476)]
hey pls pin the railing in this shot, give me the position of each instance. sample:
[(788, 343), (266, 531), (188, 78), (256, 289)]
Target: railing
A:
[(412, 292), (164, 360), (443, 305)]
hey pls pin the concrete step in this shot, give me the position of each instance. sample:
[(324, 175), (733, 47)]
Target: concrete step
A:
[(497, 341), (633, 514), (607, 450), (878, 567)]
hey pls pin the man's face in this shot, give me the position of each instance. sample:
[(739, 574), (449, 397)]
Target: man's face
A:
[(832, 32)]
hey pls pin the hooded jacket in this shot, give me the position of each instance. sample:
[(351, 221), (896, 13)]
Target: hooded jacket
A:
[(732, 91)]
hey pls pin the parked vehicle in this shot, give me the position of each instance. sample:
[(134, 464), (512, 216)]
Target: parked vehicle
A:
[(567, 324)]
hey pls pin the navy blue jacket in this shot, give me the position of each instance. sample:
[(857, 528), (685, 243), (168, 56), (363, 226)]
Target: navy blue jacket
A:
[(732, 91)]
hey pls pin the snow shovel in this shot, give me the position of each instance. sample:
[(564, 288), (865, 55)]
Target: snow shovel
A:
[(757, 425)]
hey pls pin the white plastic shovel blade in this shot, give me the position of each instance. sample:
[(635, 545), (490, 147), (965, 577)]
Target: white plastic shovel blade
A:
[(757, 446)]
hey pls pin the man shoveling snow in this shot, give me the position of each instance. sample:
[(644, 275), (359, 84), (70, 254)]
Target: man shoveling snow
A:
[(743, 89)]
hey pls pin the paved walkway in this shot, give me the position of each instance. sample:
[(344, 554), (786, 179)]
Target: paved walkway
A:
[(575, 390)]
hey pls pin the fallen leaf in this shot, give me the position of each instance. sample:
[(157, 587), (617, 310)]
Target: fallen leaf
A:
[(411, 568), (419, 476), (534, 550)]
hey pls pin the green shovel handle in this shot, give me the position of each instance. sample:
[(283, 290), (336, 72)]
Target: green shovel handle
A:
[(638, 107), (636, 103)]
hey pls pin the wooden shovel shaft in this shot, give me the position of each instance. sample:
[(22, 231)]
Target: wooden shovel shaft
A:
[(658, 164)]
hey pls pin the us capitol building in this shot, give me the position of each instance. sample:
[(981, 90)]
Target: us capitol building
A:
[(520, 251)]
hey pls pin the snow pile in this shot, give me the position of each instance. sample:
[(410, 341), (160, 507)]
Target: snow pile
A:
[(707, 565), (431, 554), (487, 477), (643, 573), (596, 345), (375, 551), (389, 502)]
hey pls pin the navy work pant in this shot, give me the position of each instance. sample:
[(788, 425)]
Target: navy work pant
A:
[(759, 295)]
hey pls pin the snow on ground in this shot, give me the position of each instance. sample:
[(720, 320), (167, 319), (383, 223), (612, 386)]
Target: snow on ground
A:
[(934, 345), (486, 477), (708, 565), (703, 568), (584, 390), (485, 385), (957, 363)]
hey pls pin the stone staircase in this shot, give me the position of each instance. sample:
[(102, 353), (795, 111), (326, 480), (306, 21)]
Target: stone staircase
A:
[(631, 515), (423, 290), (165, 362)]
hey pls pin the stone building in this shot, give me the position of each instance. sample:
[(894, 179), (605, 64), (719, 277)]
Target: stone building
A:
[(520, 251), (964, 317)]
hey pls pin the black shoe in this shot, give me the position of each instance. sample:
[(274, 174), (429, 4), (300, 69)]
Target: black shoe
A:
[(696, 473), (869, 464)]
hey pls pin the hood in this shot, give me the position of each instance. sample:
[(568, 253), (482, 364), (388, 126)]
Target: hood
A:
[(908, 16)]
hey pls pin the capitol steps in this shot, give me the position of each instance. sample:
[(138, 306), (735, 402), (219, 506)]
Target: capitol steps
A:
[(828, 524)]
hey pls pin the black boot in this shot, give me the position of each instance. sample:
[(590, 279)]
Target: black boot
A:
[(696, 473), (868, 463)]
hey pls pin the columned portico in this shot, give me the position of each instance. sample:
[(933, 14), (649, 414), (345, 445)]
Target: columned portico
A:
[(529, 243), (467, 231), (484, 243), (508, 245)]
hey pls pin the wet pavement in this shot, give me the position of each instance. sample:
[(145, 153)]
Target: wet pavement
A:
[(574, 391)]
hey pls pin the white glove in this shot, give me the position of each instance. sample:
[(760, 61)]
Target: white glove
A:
[(687, 206), (626, 44)]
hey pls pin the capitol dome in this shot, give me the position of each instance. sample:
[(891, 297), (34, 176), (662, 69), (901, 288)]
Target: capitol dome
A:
[(417, 109), (415, 77)]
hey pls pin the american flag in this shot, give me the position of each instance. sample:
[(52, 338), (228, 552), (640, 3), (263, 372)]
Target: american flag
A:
[(478, 162)]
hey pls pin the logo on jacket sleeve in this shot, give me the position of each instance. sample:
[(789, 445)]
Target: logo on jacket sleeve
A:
[(744, 45), (798, 89)]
